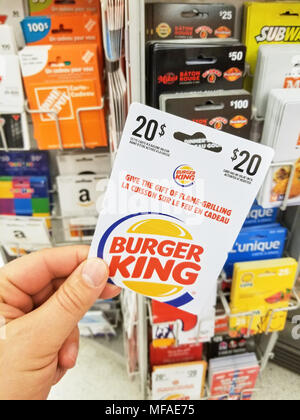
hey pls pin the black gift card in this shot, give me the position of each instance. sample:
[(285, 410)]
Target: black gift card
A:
[(174, 68), (227, 346), (11, 125), (169, 21), (229, 111)]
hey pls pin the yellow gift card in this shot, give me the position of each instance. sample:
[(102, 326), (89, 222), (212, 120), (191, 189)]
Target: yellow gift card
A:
[(269, 23), (261, 287)]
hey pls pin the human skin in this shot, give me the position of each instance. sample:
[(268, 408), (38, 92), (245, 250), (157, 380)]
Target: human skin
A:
[(43, 296)]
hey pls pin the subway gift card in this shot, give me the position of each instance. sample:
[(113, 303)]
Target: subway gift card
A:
[(173, 210)]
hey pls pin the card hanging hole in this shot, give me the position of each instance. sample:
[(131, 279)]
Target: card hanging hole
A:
[(61, 30), (198, 140), (289, 13), (65, 2), (201, 61), (209, 106), (192, 13)]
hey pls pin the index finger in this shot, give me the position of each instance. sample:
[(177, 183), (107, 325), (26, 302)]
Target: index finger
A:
[(32, 273)]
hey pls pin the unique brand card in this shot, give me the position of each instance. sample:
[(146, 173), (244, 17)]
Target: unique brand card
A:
[(173, 210)]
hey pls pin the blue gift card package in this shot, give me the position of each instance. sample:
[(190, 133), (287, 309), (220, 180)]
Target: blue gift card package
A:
[(25, 164), (260, 216), (257, 243)]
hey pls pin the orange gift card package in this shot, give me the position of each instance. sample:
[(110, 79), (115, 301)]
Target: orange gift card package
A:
[(49, 7), (62, 81), (67, 28)]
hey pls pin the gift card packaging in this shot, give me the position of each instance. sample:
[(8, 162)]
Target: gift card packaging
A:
[(282, 124), (275, 187), (50, 7), (183, 381), (269, 23), (80, 195), (233, 377), (169, 21), (25, 164), (23, 235), (229, 111), (175, 354), (178, 68), (24, 196), (287, 74), (173, 326), (68, 28), (12, 13), (178, 205), (65, 80), (257, 243), (84, 164), (261, 287), (11, 88), (228, 346), (260, 216), (14, 131), (8, 43), (78, 229)]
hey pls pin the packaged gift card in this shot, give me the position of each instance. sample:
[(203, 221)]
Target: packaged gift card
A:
[(33, 163), (282, 124), (14, 133), (189, 21), (228, 346), (257, 243), (168, 201), (77, 229), (84, 164), (173, 326), (183, 381), (261, 216), (68, 28), (287, 74), (177, 68), (175, 354), (264, 288), (24, 196), (275, 188), (80, 195), (8, 43), (12, 13), (233, 377), (11, 88), (50, 7), (270, 23), (64, 84), (21, 235), (229, 111)]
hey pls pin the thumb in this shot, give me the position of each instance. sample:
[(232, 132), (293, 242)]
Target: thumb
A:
[(61, 313)]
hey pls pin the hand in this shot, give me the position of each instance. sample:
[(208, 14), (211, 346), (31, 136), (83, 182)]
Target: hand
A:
[(43, 296)]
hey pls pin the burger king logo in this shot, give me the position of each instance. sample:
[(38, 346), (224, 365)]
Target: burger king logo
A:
[(153, 254), (239, 121), (233, 74), (184, 176)]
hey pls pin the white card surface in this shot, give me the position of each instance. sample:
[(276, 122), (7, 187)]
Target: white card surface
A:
[(173, 210), (23, 233), (84, 164), (11, 87), (7, 40), (80, 195), (12, 13)]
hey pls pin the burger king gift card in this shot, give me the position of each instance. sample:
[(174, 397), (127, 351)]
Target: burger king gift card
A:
[(176, 201)]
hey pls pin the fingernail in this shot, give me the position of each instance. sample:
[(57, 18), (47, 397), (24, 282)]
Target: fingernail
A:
[(73, 352), (95, 272)]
